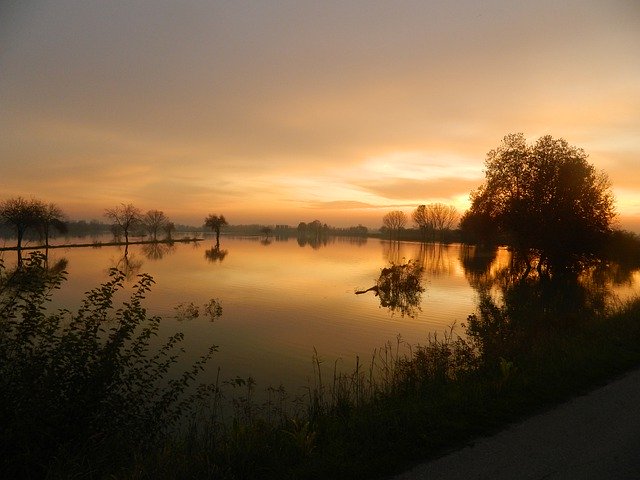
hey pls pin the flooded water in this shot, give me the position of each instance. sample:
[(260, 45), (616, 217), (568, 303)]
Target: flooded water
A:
[(283, 300)]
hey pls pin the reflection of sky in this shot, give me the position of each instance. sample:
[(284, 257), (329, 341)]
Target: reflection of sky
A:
[(281, 301), (286, 111)]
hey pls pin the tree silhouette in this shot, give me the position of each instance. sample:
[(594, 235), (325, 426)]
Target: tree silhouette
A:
[(394, 221), (544, 198), (434, 217), (21, 214), (153, 221), (124, 217), (50, 215), (215, 223)]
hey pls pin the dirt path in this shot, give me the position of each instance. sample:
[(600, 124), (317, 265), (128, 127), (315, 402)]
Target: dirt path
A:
[(595, 436)]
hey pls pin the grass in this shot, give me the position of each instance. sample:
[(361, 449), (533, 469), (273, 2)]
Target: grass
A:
[(84, 395)]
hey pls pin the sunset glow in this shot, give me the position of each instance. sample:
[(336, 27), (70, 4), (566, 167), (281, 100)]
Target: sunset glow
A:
[(287, 111)]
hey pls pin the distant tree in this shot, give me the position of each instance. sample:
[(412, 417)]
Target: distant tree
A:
[(20, 214), (50, 215), (266, 231), (423, 220), (444, 216), (434, 217), (215, 223), (394, 221), (153, 221), (124, 218), (169, 228), (543, 198)]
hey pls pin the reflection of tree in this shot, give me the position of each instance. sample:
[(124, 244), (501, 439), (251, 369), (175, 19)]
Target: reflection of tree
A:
[(477, 262), (434, 257), (399, 288), (215, 254), (33, 274), (157, 251), (129, 264), (515, 307)]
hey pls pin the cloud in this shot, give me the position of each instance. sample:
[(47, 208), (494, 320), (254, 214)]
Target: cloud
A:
[(425, 191)]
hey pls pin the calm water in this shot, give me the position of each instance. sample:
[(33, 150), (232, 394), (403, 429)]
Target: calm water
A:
[(282, 299)]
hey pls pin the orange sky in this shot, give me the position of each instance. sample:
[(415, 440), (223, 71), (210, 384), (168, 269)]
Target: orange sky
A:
[(287, 111)]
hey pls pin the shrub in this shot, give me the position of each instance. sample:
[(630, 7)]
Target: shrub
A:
[(83, 390)]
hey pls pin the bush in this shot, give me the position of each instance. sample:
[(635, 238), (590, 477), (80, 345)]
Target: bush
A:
[(85, 390)]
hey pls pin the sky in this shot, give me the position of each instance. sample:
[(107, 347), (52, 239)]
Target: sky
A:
[(277, 112)]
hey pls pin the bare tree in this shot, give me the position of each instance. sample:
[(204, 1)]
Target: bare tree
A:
[(394, 221), (435, 217), (215, 222), (153, 221), (444, 216), (124, 217), (169, 228), (50, 215), (21, 214), (423, 219)]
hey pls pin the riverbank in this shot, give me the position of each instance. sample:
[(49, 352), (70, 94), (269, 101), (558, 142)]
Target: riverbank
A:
[(98, 244), (594, 436)]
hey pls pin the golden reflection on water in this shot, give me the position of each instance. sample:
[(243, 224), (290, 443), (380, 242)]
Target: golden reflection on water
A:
[(282, 299)]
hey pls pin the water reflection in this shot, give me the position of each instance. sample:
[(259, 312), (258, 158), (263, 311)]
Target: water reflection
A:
[(519, 303), (129, 264), (399, 288), (158, 250), (214, 254)]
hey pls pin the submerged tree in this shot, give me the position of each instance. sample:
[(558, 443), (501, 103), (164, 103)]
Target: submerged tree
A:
[(394, 221), (124, 217), (434, 217), (399, 287), (20, 214), (50, 215), (215, 223), (544, 198), (153, 221)]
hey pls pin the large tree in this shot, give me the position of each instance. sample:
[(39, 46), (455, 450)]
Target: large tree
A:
[(215, 223), (544, 198), (124, 217)]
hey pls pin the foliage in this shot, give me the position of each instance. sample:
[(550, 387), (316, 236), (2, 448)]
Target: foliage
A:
[(545, 198), (78, 390)]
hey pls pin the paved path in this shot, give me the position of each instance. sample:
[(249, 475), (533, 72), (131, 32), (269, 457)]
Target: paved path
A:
[(595, 436)]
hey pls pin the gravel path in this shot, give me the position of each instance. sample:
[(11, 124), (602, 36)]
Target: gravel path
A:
[(595, 436)]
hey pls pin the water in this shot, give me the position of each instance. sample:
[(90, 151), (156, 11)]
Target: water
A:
[(284, 299)]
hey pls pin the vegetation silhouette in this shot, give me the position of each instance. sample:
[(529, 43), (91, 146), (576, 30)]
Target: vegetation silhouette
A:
[(399, 288), (393, 222), (23, 215), (434, 219), (544, 200), (155, 221), (124, 218), (84, 388), (215, 223)]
